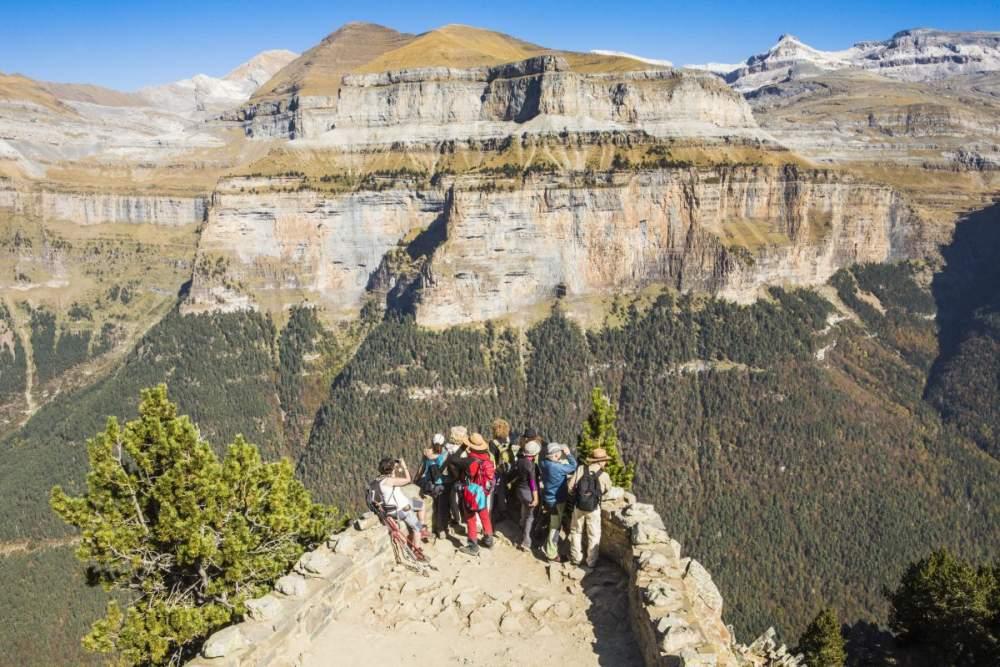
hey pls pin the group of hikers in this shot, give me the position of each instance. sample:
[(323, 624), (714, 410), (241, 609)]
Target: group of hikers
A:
[(463, 479)]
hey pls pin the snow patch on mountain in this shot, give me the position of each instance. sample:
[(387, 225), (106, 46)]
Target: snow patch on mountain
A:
[(623, 54)]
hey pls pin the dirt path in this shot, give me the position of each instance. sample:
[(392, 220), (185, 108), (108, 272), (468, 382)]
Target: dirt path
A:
[(27, 546), (504, 607)]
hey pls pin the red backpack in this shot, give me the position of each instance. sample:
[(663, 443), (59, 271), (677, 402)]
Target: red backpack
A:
[(482, 472)]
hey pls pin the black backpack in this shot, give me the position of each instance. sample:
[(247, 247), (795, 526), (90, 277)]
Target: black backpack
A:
[(588, 490), (374, 499)]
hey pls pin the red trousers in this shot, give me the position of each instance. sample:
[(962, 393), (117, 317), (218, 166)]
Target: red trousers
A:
[(470, 523)]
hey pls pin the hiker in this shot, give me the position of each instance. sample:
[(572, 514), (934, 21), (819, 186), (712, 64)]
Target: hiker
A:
[(526, 490), (503, 460), (587, 487), (394, 476), (556, 469), (476, 480), (458, 441), (435, 483)]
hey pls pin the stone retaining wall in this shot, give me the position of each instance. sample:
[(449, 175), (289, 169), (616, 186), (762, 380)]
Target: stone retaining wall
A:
[(303, 602), (675, 607)]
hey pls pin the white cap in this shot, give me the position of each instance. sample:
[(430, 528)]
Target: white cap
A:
[(438, 439)]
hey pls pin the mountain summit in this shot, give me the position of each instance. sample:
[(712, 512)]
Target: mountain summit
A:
[(920, 54)]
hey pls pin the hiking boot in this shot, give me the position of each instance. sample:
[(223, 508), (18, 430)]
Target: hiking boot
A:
[(442, 534), (488, 541), (471, 549)]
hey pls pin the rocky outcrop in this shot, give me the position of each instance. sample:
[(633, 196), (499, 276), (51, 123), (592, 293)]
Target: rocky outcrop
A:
[(85, 208), (673, 610), (484, 251)]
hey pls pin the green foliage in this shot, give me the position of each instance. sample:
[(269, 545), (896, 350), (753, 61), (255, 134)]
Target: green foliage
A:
[(298, 339), (47, 607), (13, 360), (822, 644), (599, 432), (188, 538), (55, 349), (949, 609)]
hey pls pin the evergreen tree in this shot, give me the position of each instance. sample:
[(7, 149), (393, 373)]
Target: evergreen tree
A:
[(185, 538), (948, 609), (822, 644), (599, 431)]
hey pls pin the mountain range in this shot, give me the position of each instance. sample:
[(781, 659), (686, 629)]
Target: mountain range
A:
[(783, 272)]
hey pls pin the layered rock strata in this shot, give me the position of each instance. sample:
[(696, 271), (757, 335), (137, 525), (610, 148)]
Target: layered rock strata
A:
[(85, 208), (484, 249), (540, 94)]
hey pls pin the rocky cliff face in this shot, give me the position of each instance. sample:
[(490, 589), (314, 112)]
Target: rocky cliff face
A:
[(473, 249), (724, 230), (540, 93), (96, 208)]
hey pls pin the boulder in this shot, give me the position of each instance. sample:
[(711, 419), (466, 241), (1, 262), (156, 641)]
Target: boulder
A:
[(701, 581), (366, 521), (292, 585), (265, 608), (225, 642), (315, 563)]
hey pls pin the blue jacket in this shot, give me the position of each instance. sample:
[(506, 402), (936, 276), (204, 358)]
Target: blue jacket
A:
[(555, 478)]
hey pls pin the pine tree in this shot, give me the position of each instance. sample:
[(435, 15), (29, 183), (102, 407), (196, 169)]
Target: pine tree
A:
[(185, 538), (599, 431), (950, 609), (822, 644)]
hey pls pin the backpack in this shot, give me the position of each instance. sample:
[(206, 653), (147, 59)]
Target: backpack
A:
[(482, 472), (588, 490), (373, 496), (478, 483)]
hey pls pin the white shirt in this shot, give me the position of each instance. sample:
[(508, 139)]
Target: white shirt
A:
[(393, 495)]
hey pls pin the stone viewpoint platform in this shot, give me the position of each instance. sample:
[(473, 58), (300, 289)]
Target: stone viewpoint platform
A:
[(348, 602)]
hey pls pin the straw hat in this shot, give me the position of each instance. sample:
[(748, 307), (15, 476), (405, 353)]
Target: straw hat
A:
[(598, 455), (477, 443), (532, 448), (459, 435)]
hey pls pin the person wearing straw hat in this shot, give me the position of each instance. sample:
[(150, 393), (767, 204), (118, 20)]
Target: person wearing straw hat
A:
[(588, 486), (475, 483)]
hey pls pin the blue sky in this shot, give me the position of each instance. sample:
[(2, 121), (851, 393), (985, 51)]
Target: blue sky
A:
[(126, 45)]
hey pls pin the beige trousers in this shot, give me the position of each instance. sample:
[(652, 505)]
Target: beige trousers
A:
[(591, 522)]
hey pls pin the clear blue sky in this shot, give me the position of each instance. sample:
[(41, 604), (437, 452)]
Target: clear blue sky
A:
[(128, 44)]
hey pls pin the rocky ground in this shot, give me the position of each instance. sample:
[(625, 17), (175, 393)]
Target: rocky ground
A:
[(504, 607)]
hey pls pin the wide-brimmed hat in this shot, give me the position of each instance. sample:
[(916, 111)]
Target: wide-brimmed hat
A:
[(459, 435), (477, 443), (598, 455), (532, 448)]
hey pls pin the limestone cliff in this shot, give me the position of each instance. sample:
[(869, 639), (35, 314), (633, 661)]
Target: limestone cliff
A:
[(88, 208), (476, 248), (542, 93)]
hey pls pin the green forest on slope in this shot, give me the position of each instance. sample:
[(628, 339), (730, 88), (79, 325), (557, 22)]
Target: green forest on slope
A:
[(799, 482)]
